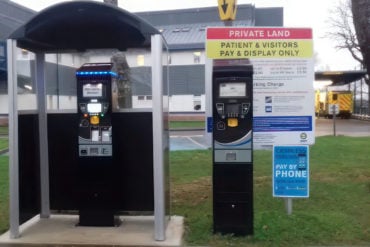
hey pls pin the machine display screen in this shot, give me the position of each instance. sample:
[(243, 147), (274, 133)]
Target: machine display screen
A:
[(94, 107), (92, 90), (233, 89)]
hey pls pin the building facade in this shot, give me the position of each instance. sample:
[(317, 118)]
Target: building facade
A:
[(184, 31)]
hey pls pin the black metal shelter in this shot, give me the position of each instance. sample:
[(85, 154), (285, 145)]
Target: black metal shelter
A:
[(81, 25), (40, 151)]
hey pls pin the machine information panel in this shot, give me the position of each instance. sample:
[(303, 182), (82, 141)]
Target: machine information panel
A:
[(92, 90), (290, 171), (282, 59), (233, 89)]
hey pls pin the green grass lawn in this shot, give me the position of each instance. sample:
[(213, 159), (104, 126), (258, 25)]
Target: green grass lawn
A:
[(337, 212), (3, 143), (4, 130), (4, 205)]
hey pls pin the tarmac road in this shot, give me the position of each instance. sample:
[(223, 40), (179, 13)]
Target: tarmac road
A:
[(194, 139), (346, 127)]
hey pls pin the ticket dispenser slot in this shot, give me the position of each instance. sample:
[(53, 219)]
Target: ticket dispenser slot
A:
[(232, 147), (96, 170)]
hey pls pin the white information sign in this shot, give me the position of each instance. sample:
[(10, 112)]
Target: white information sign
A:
[(92, 90), (333, 109), (283, 94)]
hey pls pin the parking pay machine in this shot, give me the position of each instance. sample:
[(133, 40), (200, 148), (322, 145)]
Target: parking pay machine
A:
[(96, 169), (232, 101)]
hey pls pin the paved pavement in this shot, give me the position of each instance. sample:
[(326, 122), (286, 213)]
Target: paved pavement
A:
[(187, 140)]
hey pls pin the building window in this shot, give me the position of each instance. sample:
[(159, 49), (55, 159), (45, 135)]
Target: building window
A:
[(24, 53), (197, 57), (202, 28), (140, 59), (169, 59)]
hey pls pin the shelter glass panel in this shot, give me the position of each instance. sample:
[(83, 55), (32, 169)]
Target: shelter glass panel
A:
[(166, 142), (26, 80), (3, 79), (132, 80)]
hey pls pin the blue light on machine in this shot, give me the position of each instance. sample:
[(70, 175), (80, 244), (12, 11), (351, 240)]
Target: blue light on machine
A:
[(86, 73)]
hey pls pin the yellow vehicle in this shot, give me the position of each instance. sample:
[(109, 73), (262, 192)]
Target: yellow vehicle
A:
[(325, 98)]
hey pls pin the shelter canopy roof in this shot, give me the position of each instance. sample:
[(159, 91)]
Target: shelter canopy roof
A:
[(82, 25), (340, 77)]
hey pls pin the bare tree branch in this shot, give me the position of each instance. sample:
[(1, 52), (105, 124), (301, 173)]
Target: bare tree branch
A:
[(350, 28)]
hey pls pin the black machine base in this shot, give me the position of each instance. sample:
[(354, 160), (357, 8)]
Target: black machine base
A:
[(233, 218), (233, 198), (98, 218)]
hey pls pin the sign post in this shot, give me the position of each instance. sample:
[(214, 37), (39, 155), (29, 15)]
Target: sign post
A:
[(334, 110), (290, 173)]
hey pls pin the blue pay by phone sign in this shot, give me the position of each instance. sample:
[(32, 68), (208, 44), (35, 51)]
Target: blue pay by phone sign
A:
[(290, 171)]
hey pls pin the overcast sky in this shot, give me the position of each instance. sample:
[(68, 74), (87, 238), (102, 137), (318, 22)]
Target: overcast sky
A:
[(297, 13)]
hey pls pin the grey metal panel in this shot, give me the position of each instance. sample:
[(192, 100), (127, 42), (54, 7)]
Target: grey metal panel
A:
[(187, 26), (12, 16), (193, 15), (141, 79), (232, 156), (61, 79), (269, 17), (192, 36), (187, 79)]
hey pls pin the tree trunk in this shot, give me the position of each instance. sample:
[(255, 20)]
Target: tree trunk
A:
[(361, 21), (368, 95)]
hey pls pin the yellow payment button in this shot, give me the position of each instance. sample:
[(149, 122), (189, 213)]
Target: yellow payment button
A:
[(94, 120), (232, 122)]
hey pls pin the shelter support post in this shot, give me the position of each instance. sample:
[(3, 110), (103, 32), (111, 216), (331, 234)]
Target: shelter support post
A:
[(158, 142), (43, 134), (13, 140), (208, 92)]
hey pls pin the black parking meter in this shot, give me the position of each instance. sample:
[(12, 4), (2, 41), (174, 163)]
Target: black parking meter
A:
[(94, 110), (96, 170), (232, 101)]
